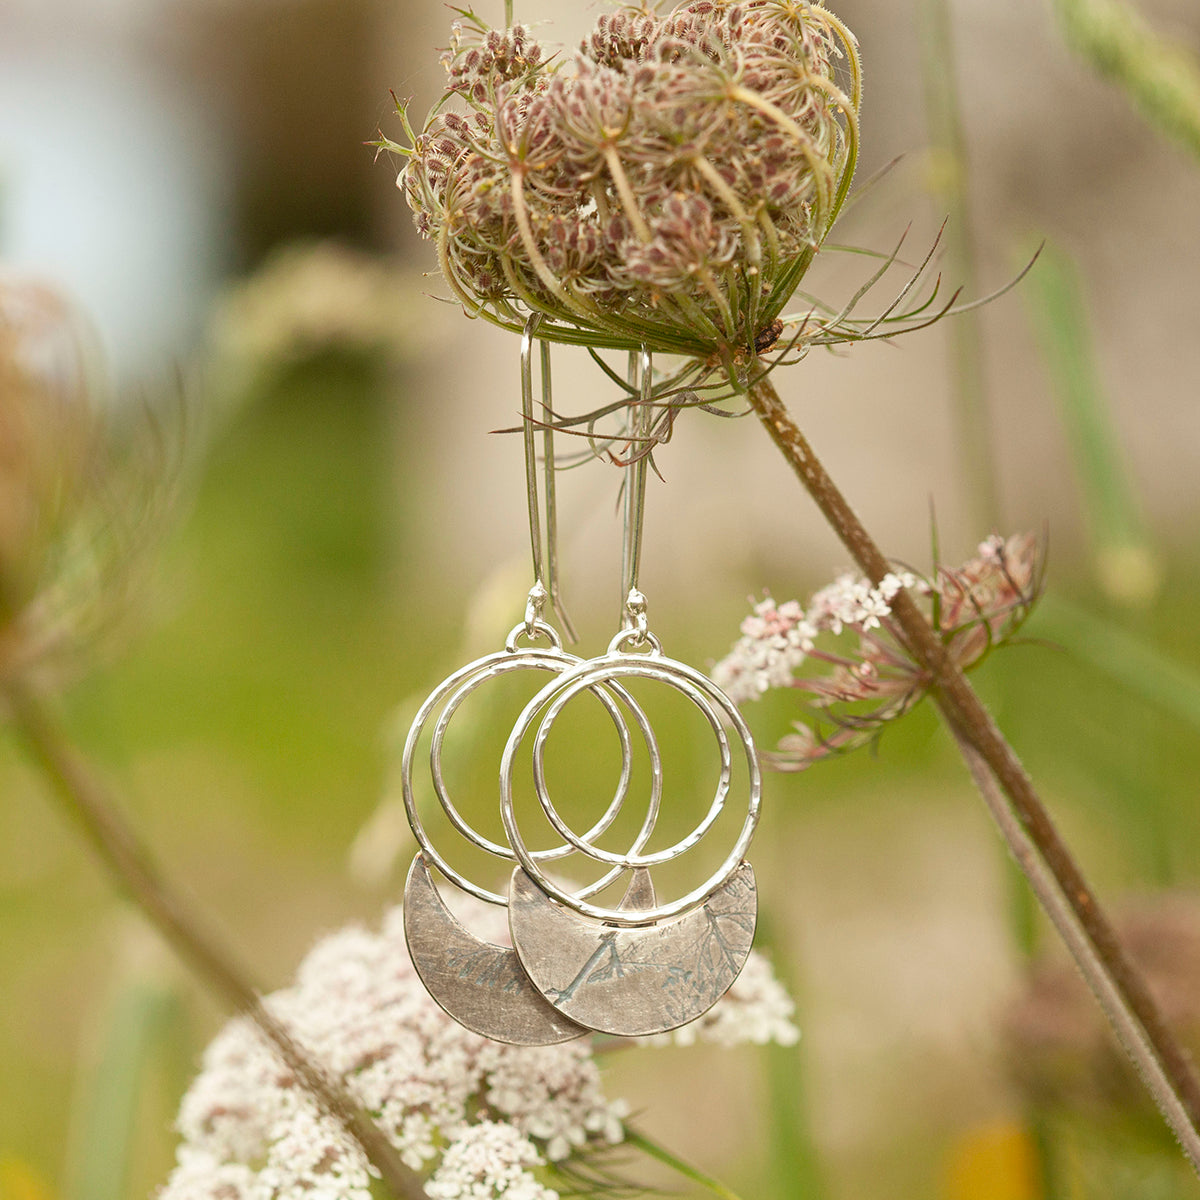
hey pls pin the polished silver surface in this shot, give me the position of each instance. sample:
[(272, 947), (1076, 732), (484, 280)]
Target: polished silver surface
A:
[(481, 985), (634, 981), (641, 416)]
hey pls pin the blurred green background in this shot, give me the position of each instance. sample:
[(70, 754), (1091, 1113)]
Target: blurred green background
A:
[(351, 518)]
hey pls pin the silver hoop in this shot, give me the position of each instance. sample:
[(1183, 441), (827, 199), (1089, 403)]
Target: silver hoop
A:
[(583, 842), (602, 672), (447, 698)]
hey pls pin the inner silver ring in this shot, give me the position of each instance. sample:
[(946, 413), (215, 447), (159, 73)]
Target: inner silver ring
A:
[(458, 686), (583, 842), (694, 685)]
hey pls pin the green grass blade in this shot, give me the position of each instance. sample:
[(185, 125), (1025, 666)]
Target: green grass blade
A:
[(951, 187), (1125, 561), (794, 1167), (104, 1127), (1161, 79), (1126, 659)]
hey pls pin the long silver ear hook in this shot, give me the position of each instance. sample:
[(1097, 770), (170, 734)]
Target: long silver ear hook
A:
[(545, 566), (641, 414)]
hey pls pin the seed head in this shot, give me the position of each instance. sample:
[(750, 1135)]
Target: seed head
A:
[(665, 185)]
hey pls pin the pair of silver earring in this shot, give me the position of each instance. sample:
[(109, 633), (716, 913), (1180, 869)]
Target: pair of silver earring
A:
[(642, 965)]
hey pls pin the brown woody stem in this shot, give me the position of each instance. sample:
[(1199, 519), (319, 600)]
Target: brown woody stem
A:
[(89, 806), (1024, 822)]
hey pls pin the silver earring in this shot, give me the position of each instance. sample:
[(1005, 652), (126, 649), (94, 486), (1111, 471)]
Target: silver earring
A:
[(643, 966), (479, 983)]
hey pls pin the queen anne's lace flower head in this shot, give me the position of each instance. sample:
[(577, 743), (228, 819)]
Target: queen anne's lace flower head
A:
[(665, 185), (490, 1159), (359, 1009)]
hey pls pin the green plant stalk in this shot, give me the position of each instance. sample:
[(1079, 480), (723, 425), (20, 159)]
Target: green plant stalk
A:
[(793, 1153), (949, 172), (1023, 819), (1129, 660), (1059, 315), (88, 805), (106, 1113), (1161, 79), (647, 1146)]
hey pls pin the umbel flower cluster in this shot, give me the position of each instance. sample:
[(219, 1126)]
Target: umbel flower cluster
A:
[(666, 185), (477, 1119), (974, 608)]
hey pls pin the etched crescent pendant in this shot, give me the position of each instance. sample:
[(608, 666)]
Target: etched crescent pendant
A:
[(640, 980), (481, 985)]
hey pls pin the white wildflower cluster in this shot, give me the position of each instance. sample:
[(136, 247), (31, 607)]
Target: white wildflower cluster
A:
[(777, 638), (309, 1155), (870, 678), (490, 1159), (201, 1175), (756, 1010), (477, 1118), (852, 602), (251, 1133)]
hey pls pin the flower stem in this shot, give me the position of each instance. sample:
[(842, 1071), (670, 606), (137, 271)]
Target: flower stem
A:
[(654, 1150), (89, 806), (1023, 819)]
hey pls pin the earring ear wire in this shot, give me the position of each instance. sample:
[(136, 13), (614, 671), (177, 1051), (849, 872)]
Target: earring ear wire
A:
[(641, 417), (545, 550)]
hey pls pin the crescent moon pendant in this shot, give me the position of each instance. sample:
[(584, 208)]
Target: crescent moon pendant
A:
[(640, 980), (481, 985)]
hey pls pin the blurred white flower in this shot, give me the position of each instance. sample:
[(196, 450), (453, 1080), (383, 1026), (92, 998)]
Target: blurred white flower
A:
[(310, 297), (480, 1119), (360, 1010), (756, 1010)]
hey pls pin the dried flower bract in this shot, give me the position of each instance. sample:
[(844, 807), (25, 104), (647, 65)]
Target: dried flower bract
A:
[(85, 486)]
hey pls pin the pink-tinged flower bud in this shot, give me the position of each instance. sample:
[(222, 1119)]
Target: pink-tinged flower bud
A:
[(861, 687)]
